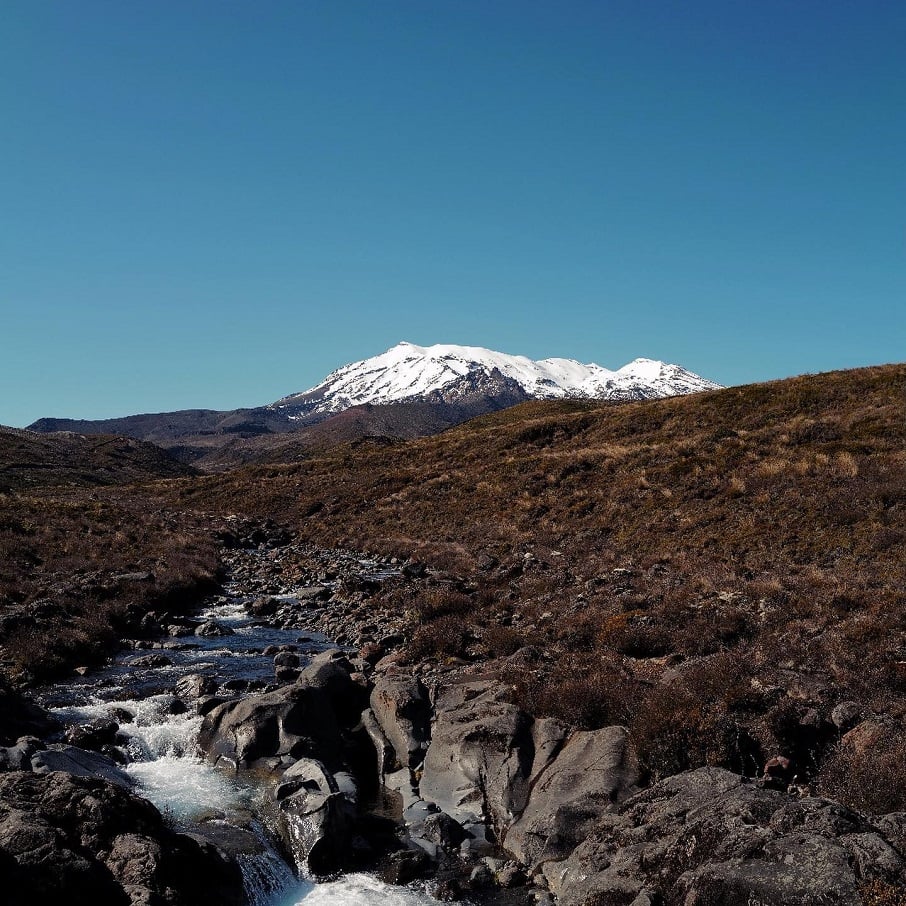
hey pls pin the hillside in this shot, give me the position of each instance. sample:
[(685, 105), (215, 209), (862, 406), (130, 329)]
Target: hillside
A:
[(742, 548), (29, 460)]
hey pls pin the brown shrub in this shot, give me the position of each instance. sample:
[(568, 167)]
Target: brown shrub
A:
[(871, 780)]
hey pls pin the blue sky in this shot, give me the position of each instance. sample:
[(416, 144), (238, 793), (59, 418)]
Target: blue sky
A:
[(213, 204)]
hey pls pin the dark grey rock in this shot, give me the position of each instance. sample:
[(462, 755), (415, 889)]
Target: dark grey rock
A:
[(591, 775), (212, 628), (401, 707), (79, 763)]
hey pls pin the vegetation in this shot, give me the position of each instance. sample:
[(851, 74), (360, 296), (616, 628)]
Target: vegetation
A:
[(710, 570), (718, 571)]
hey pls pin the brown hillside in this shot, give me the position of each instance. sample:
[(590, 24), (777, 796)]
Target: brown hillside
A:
[(745, 546), (30, 460)]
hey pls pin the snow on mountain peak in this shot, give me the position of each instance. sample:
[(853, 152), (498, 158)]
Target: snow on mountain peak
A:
[(408, 371)]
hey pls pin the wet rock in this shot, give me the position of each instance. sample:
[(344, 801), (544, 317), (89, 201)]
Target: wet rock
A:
[(400, 705), (405, 866), (79, 763), (195, 685), (448, 891), (441, 829), (316, 820), (386, 756), (296, 721), (264, 606), (287, 674), (212, 628), (85, 842), (150, 660), (93, 735), (286, 659)]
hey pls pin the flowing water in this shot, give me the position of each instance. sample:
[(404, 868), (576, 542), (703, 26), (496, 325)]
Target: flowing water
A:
[(164, 763)]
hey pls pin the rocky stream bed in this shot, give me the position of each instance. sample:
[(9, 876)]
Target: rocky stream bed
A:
[(276, 746)]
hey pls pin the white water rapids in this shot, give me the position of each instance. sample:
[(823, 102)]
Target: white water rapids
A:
[(191, 794)]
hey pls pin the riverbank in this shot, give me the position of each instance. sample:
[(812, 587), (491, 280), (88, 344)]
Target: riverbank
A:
[(494, 802)]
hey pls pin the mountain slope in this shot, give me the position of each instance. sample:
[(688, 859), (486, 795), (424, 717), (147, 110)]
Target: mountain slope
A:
[(446, 372)]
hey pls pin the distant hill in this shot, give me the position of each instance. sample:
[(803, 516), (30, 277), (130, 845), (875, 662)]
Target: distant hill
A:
[(30, 460)]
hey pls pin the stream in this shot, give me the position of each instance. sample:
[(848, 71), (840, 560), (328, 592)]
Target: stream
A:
[(162, 757)]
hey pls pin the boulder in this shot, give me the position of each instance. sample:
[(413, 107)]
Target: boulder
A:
[(286, 659), (711, 837), (93, 735), (591, 775), (400, 705), (79, 763), (480, 758), (83, 841), (195, 685), (212, 628), (316, 820), (292, 722)]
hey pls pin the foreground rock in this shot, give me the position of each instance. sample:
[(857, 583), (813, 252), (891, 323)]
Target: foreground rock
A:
[(269, 731), (84, 841), (711, 838)]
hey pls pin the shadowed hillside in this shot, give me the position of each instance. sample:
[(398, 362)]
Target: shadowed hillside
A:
[(29, 459)]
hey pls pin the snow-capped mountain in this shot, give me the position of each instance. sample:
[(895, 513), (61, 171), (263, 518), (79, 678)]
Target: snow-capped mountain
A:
[(445, 373)]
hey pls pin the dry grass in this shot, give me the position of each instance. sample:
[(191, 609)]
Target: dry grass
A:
[(766, 520)]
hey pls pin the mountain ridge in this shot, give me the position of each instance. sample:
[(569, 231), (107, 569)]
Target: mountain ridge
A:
[(437, 387), (408, 371)]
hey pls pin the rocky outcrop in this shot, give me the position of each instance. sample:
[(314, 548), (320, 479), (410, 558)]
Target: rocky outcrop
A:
[(400, 705), (84, 841), (592, 773), (479, 761), (712, 837), (272, 730), (79, 763)]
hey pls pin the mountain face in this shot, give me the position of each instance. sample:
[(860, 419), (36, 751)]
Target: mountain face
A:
[(454, 374)]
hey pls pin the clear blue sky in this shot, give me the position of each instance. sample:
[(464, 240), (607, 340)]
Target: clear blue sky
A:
[(213, 204)]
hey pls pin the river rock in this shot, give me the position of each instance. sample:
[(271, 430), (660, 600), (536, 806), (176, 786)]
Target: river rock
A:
[(480, 757), (93, 735), (400, 705), (83, 842), (316, 819), (286, 659), (292, 722), (712, 837), (211, 628), (195, 685), (264, 606), (79, 763), (593, 772)]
